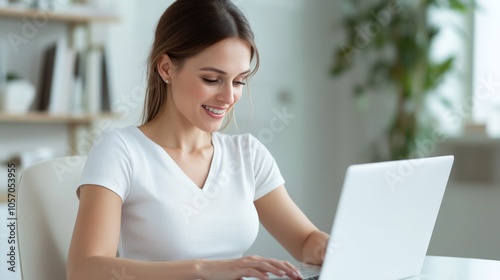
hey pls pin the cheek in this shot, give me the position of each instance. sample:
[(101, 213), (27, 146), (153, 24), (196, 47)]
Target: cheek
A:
[(196, 91), (237, 96)]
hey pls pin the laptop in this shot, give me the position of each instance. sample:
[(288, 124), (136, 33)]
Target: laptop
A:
[(384, 220)]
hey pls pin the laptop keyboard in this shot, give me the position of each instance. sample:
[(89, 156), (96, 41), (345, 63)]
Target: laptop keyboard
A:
[(312, 278)]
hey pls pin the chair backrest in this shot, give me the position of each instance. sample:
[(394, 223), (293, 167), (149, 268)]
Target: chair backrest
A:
[(46, 211)]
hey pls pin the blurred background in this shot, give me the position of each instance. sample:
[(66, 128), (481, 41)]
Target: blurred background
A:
[(340, 82)]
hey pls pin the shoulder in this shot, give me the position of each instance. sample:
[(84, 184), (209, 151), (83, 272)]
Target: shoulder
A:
[(120, 132), (116, 136)]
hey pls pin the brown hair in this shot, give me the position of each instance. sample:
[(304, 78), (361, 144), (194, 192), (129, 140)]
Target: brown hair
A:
[(185, 29)]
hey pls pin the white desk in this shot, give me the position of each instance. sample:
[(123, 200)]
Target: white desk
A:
[(449, 268)]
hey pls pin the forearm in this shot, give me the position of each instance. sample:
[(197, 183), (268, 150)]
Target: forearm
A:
[(105, 268), (314, 248)]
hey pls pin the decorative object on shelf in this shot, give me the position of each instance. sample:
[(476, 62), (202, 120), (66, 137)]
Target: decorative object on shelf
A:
[(396, 37), (55, 5), (44, 4), (21, 4), (16, 95)]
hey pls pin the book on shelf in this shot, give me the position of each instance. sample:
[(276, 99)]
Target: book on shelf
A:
[(3, 63), (76, 98), (73, 81), (41, 102), (59, 90), (105, 84), (92, 101)]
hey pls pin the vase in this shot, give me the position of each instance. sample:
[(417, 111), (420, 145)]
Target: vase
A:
[(16, 96)]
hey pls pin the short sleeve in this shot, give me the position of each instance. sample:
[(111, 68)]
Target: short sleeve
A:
[(108, 164), (267, 174)]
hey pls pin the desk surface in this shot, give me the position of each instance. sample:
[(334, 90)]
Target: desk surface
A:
[(450, 268)]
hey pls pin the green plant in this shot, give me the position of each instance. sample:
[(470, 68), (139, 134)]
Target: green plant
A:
[(398, 36), (11, 76)]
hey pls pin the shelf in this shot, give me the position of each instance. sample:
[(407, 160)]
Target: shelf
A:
[(72, 121), (82, 16), (34, 117), (74, 16)]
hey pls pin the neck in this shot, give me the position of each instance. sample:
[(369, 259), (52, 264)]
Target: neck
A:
[(170, 130)]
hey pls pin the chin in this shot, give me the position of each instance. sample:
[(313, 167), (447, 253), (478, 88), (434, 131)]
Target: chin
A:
[(212, 128)]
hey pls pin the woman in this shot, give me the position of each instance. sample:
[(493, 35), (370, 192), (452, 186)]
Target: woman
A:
[(174, 197)]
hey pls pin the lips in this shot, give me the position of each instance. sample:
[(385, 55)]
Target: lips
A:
[(214, 110)]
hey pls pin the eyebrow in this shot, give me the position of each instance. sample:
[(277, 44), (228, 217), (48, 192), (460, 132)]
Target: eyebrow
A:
[(220, 71)]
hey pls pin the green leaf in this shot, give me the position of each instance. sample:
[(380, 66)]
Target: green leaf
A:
[(458, 5), (432, 31), (343, 59), (446, 102), (359, 90), (443, 67), (362, 102), (337, 70), (436, 72), (380, 72), (11, 76)]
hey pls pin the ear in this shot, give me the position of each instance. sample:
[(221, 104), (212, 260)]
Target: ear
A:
[(165, 67)]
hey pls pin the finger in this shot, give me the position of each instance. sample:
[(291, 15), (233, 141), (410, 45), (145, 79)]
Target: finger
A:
[(289, 269), (296, 271), (252, 272), (277, 267), (267, 266)]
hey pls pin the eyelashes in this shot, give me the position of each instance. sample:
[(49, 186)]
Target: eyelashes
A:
[(213, 82), (210, 82)]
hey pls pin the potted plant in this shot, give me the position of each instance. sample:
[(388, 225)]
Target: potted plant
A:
[(399, 36), (16, 94)]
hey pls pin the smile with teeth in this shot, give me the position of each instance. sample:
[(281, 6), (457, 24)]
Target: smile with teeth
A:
[(213, 110)]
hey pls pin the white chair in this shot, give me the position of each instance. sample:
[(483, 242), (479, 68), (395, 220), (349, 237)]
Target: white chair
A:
[(46, 212)]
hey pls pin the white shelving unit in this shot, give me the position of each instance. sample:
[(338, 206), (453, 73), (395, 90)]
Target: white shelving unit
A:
[(72, 19)]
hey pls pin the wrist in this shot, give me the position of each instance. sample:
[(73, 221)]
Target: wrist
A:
[(200, 268), (314, 248)]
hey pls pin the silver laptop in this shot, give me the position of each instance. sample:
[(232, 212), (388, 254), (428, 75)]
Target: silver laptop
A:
[(384, 220)]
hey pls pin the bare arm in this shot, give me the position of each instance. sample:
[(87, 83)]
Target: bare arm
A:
[(288, 224), (95, 242), (95, 239)]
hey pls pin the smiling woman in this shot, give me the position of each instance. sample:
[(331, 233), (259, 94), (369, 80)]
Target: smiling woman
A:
[(174, 197)]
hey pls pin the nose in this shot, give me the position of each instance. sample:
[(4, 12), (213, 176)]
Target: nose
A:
[(227, 94)]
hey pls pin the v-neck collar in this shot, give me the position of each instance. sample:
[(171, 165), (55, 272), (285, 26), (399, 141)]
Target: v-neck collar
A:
[(213, 164)]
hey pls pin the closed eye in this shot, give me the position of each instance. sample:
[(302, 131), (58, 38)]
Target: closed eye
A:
[(210, 82), (213, 82)]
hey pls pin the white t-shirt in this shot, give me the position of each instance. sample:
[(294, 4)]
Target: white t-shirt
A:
[(165, 215)]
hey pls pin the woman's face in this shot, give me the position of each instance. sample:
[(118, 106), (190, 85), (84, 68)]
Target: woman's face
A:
[(208, 85)]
